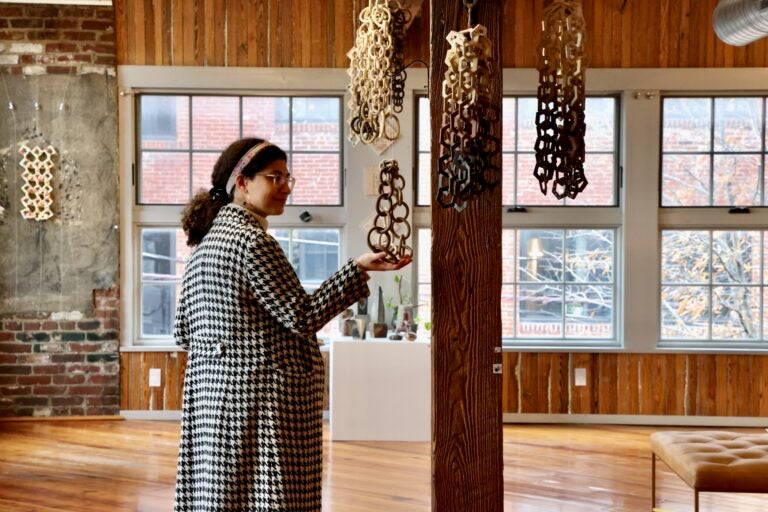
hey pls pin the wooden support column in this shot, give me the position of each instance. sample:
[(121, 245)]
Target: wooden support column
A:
[(467, 462)]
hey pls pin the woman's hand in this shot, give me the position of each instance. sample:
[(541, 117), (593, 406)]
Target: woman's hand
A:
[(375, 261)]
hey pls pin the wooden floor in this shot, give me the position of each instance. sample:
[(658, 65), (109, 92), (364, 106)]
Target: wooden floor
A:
[(129, 466)]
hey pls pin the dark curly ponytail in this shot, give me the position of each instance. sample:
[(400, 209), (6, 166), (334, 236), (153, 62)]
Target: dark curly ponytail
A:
[(197, 217)]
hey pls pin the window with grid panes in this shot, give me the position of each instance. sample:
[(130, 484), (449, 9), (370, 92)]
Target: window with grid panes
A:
[(559, 283), (179, 138), (713, 155)]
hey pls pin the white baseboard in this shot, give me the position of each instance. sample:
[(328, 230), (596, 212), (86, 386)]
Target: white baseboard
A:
[(633, 419), (152, 415)]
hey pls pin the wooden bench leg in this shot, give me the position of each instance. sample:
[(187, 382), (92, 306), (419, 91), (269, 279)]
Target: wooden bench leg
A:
[(695, 500), (653, 481)]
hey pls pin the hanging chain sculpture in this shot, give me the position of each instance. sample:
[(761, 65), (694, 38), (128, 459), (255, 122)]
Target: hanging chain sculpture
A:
[(391, 229), (560, 118), (467, 144), (38, 165), (377, 72), (70, 193), (5, 202)]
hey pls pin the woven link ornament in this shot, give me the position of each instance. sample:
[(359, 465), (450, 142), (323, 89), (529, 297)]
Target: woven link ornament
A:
[(38, 165), (5, 200), (391, 229), (377, 73), (465, 168), (69, 196), (560, 118)]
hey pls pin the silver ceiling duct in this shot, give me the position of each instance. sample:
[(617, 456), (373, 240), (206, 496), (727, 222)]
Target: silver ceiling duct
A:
[(740, 22)]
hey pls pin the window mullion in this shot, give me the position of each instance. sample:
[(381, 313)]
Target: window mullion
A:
[(191, 151), (641, 250)]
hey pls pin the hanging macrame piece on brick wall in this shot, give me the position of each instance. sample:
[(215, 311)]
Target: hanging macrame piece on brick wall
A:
[(69, 197), (467, 144), (391, 228), (37, 198), (5, 202), (377, 72), (560, 122)]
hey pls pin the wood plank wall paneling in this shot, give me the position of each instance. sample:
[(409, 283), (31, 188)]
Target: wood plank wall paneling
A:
[(135, 392), (663, 384), (658, 384), (319, 33)]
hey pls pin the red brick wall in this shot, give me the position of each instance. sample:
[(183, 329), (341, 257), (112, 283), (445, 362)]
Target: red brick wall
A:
[(215, 124), (56, 39), (53, 366)]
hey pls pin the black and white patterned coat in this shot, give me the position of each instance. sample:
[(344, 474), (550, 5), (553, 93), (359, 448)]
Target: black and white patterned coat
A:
[(251, 433)]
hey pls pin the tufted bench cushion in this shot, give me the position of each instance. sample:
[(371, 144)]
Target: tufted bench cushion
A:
[(712, 461)]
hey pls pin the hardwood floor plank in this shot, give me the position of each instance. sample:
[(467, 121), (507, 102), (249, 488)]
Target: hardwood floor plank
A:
[(94, 466)]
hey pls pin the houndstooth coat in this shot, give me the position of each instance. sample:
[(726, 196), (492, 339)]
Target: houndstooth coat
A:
[(251, 430)]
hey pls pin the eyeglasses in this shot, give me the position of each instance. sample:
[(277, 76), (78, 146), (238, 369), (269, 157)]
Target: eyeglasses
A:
[(280, 179)]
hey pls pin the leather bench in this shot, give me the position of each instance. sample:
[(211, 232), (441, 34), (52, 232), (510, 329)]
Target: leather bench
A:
[(713, 461)]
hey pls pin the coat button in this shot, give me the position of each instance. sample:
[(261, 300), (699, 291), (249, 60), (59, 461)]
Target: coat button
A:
[(220, 349)]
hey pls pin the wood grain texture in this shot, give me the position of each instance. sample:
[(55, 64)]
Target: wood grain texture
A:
[(149, 32), (664, 384), (509, 383), (628, 384), (559, 384), (121, 32), (135, 393), (607, 387), (466, 303), (319, 33), (128, 466)]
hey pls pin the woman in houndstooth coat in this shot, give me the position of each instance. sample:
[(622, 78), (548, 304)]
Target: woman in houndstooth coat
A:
[(251, 432)]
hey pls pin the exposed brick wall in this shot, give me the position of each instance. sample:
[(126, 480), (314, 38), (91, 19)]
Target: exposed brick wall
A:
[(215, 124), (54, 364), (56, 39), (59, 363)]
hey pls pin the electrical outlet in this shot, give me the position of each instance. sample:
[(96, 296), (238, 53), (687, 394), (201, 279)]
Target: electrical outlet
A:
[(154, 377), (580, 377)]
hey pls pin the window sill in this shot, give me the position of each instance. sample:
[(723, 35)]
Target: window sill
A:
[(151, 348)]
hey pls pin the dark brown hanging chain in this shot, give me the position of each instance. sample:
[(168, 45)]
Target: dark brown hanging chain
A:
[(396, 71), (391, 229), (560, 124)]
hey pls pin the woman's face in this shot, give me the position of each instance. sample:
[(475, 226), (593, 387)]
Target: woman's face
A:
[(267, 192)]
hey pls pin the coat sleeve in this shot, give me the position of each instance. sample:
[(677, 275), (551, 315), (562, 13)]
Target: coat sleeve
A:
[(181, 325), (278, 288)]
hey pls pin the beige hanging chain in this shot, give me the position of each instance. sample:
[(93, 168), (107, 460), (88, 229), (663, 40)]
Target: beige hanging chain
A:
[(377, 72), (467, 144), (38, 164), (391, 228), (560, 119)]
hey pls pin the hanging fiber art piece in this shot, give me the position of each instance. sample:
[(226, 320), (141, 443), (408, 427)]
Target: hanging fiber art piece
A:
[(467, 144), (37, 199), (5, 201), (377, 72), (391, 229), (560, 123), (70, 192)]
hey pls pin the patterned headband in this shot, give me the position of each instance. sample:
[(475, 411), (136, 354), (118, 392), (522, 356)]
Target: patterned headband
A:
[(243, 163)]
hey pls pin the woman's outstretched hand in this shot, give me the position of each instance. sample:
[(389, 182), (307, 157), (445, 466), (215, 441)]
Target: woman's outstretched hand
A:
[(375, 261)]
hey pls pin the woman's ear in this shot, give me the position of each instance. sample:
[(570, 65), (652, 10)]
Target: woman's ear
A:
[(241, 183)]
